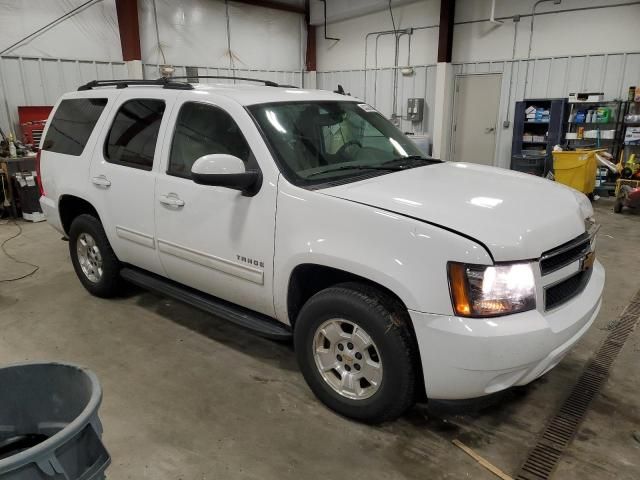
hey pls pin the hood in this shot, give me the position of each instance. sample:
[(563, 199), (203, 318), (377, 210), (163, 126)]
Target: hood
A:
[(516, 216)]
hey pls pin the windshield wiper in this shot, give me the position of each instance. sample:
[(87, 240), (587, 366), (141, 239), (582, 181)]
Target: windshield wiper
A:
[(356, 167), (410, 160)]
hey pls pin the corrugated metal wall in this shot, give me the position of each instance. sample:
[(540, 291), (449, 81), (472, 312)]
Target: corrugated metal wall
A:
[(282, 77), (40, 81), (547, 77)]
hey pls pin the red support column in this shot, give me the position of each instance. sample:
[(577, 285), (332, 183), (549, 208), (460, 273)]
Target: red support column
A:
[(445, 40), (445, 78), (129, 28), (310, 59), (311, 48)]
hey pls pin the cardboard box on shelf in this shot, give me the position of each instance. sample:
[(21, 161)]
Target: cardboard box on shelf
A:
[(632, 136), (608, 134), (590, 134)]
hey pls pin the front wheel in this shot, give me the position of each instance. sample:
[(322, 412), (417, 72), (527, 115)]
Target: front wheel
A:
[(357, 353)]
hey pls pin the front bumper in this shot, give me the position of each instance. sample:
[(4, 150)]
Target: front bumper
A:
[(468, 357)]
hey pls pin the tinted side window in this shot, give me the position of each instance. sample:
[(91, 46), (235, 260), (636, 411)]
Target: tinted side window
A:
[(134, 133), (201, 130), (72, 125)]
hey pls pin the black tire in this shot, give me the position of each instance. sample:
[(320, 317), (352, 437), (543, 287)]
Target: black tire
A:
[(387, 322), (110, 281), (617, 207)]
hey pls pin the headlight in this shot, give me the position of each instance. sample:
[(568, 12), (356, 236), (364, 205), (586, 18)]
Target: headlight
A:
[(482, 291)]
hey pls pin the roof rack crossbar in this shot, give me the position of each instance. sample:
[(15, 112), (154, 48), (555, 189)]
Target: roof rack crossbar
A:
[(267, 83), (160, 82)]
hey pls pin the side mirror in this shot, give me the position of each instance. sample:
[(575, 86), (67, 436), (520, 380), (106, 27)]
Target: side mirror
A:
[(222, 170)]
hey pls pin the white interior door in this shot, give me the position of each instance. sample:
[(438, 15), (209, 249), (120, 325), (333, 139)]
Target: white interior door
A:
[(477, 99)]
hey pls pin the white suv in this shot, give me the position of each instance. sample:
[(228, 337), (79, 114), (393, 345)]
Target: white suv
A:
[(306, 214)]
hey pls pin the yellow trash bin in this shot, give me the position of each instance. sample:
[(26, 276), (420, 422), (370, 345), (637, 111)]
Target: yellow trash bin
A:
[(576, 169)]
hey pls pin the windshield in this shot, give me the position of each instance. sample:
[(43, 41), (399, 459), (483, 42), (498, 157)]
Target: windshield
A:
[(320, 142)]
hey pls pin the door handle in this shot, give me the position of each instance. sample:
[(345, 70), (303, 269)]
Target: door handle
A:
[(489, 129), (171, 200), (101, 181)]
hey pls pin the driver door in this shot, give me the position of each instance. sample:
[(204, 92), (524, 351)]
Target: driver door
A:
[(211, 238)]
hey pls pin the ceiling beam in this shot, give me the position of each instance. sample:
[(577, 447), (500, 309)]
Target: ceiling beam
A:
[(274, 5)]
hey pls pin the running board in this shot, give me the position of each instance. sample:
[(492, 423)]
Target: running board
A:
[(261, 324)]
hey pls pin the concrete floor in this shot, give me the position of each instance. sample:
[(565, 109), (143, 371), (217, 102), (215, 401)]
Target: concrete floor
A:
[(187, 396)]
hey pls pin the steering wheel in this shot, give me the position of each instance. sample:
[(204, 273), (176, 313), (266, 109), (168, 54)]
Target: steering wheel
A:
[(348, 144)]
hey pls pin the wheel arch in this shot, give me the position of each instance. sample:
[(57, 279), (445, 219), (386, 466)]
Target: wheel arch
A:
[(307, 279), (70, 207)]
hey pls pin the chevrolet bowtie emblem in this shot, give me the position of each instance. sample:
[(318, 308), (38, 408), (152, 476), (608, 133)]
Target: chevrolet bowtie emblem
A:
[(587, 261)]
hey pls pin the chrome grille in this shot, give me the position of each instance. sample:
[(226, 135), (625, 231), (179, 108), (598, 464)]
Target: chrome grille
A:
[(565, 254), (576, 250)]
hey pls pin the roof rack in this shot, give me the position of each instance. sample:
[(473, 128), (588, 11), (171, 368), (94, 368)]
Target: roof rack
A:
[(267, 83), (160, 82)]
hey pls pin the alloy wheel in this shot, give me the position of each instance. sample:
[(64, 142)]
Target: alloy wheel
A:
[(89, 257), (347, 358)]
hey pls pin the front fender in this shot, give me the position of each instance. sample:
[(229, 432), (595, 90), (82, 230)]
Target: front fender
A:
[(404, 255)]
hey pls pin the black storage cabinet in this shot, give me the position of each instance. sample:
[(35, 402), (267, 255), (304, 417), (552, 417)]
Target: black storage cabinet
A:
[(534, 156), (29, 196)]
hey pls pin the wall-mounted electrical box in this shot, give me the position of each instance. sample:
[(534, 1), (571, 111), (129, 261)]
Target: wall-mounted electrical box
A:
[(415, 109)]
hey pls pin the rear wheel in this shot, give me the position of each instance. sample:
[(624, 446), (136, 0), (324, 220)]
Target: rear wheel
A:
[(356, 352), (95, 264)]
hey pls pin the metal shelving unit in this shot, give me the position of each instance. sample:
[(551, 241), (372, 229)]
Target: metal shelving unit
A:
[(630, 148), (615, 123), (613, 145)]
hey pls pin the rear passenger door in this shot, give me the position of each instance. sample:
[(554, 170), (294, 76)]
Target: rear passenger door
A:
[(123, 174)]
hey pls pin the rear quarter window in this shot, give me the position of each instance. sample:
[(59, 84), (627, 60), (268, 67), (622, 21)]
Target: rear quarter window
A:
[(72, 124)]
